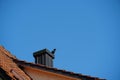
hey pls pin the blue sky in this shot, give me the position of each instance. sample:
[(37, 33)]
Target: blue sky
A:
[(86, 33)]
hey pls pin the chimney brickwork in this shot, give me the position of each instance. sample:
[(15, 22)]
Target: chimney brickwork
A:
[(44, 57)]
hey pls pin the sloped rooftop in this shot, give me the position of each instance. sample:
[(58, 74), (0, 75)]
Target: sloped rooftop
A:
[(12, 66)]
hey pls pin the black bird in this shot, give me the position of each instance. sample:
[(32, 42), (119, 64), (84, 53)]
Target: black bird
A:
[(53, 51)]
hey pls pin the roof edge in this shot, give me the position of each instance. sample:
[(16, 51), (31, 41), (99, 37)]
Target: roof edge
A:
[(55, 70)]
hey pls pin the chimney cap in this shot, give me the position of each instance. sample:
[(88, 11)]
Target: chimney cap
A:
[(40, 52)]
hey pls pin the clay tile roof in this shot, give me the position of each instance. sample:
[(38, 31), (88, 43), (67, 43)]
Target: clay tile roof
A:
[(7, 53), (10, 67)]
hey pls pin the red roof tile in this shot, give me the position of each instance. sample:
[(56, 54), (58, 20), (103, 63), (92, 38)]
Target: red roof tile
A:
[(10, 67)]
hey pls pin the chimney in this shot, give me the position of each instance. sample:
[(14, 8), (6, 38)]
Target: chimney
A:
[(44, 57)]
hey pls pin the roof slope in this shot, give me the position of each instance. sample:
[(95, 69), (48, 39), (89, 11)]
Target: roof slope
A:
[(10, 67), (55, 70), (13, 68)]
